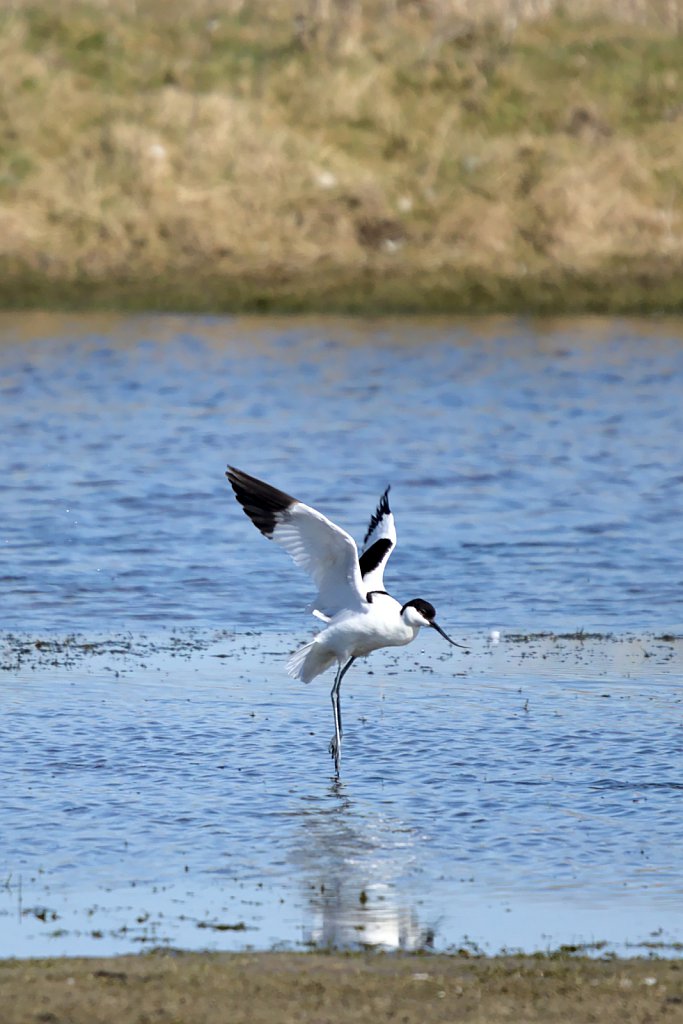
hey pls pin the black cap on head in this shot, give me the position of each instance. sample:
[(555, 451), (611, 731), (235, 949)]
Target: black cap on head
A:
[(428, 612), (423, 607)]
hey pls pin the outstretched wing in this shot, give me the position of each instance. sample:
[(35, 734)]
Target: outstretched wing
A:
[(380, 541), (321, 548)]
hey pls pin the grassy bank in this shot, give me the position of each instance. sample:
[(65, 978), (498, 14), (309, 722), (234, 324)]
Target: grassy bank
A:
[(281, 987), (377, 155)]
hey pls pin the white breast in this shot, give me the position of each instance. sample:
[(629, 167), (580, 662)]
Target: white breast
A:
[(355, 634)]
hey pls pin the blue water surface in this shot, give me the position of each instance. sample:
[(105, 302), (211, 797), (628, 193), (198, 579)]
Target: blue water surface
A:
[(537, 469), (162, 781)]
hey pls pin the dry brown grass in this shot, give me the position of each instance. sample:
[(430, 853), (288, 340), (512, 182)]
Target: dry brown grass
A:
[(267, 146)]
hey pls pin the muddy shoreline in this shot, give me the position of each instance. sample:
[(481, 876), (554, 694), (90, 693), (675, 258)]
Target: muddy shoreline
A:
[(286, 987)]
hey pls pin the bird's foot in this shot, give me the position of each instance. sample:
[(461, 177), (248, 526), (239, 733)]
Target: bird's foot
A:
[(335, 753)]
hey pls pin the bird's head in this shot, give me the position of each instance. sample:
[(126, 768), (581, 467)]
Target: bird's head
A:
[(417, 613)]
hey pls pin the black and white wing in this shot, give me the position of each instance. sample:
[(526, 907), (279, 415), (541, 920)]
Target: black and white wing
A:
[(380, 541), (321, 548)]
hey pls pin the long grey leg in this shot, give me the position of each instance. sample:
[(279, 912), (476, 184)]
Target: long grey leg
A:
[(335, 742)]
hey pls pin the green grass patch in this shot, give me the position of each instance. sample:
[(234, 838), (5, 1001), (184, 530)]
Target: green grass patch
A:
[(377, 293)]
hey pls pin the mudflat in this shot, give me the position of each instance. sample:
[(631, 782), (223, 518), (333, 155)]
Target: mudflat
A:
[(288, 987)]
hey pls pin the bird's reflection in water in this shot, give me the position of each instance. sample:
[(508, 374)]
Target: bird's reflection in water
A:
[(351, 862)]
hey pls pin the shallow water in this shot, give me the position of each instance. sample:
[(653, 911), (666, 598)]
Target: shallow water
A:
[(536, 471), (163, 781)]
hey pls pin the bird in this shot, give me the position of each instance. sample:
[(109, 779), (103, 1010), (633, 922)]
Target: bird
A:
[(360, 616)]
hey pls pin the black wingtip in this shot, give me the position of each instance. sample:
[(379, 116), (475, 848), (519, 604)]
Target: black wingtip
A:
[(382, 510), (261, 502)]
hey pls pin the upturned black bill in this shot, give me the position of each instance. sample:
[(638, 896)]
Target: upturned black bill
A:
[(439, 630)]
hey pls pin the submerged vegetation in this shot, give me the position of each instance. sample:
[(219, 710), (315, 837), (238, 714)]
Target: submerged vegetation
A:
[(417, 155)]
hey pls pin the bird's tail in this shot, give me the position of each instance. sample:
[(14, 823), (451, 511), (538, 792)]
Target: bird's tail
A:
[(309, 661)]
